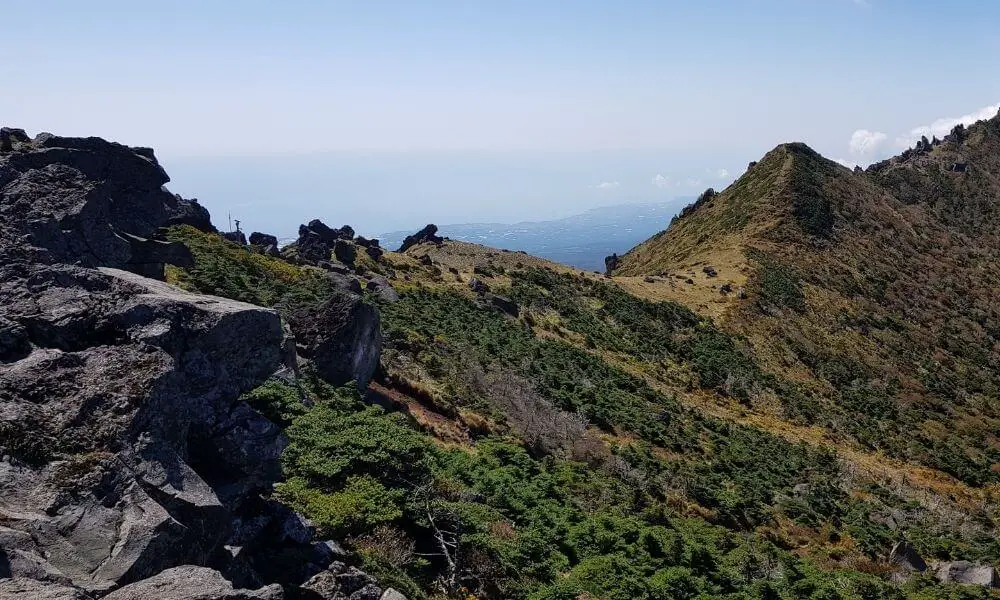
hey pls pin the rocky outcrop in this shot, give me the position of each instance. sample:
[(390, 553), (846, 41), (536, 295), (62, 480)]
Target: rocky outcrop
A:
[(125, 448), (192, 583), (263, 239), (427, 235), (129, 466), (967, 573), (189, 212), (148, 257), (610, 264), (345, 252), (237, 237), (343, 338), (67, 197), (316, 240)]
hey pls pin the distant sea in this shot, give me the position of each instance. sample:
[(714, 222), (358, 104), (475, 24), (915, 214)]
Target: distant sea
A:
[(580, 241)]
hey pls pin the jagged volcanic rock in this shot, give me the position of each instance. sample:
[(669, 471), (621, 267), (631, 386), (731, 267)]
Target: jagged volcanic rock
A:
[(426, 235), (128, 464)]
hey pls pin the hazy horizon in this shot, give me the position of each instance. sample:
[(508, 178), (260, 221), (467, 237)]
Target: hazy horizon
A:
[(387, 114)]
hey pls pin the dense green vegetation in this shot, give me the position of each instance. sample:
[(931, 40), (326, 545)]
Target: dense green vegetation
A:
[(636, 328), (520, 526), (666, 503)]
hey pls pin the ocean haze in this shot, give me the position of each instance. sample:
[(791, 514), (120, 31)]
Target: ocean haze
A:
[(379, 192), (580, 241)]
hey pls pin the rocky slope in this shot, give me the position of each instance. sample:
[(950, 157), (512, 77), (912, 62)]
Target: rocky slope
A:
[(129, 465)]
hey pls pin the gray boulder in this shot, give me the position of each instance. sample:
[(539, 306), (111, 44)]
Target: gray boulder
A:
[(505, 305), (124, 447), (968, 573), (263, 239), (345, 251), (343, 338), (906, 558), (30, 589), (427, 235), (66, 198), (237, 237), (191, 583), (381, 286)]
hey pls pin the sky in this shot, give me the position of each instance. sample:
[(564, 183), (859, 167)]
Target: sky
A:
[(387, 114)]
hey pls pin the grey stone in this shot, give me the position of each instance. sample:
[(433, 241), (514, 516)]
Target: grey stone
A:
[(903, 556), (28, 589), (68, 197), (505, 305), (191, 583), (343, 338), (134, 382), (263, 239), (427, 235), (345, 251), (968, 573), (368, 592), (391, 594), (381, 286)]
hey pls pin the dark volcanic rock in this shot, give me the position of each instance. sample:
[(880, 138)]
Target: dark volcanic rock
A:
[(189, 212), (236, 236), (426, 235), (906, 559), (128, 463), (263, 239), (342, 339), (69, 196), (191, 583), (149, 256), (345, 251), (375, 253), (143, 379), (124, 448), (506, 305), (317, 240), (610, 264)]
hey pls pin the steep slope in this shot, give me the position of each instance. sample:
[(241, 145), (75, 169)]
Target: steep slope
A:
[(875, 290)]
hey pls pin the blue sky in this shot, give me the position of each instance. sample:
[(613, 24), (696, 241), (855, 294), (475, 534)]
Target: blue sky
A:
[(389, 113)]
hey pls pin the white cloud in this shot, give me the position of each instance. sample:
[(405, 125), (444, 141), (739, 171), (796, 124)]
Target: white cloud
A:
[(660, 181), (867, 146), (850, 164), (722, 173), (607, 185), (943, 126), (694, 182), (866, 143)]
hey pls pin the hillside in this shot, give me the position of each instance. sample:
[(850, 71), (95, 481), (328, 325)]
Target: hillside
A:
[(874, 289), (332, 420)]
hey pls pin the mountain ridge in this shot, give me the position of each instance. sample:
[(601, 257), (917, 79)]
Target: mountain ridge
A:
[(824, 238)]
